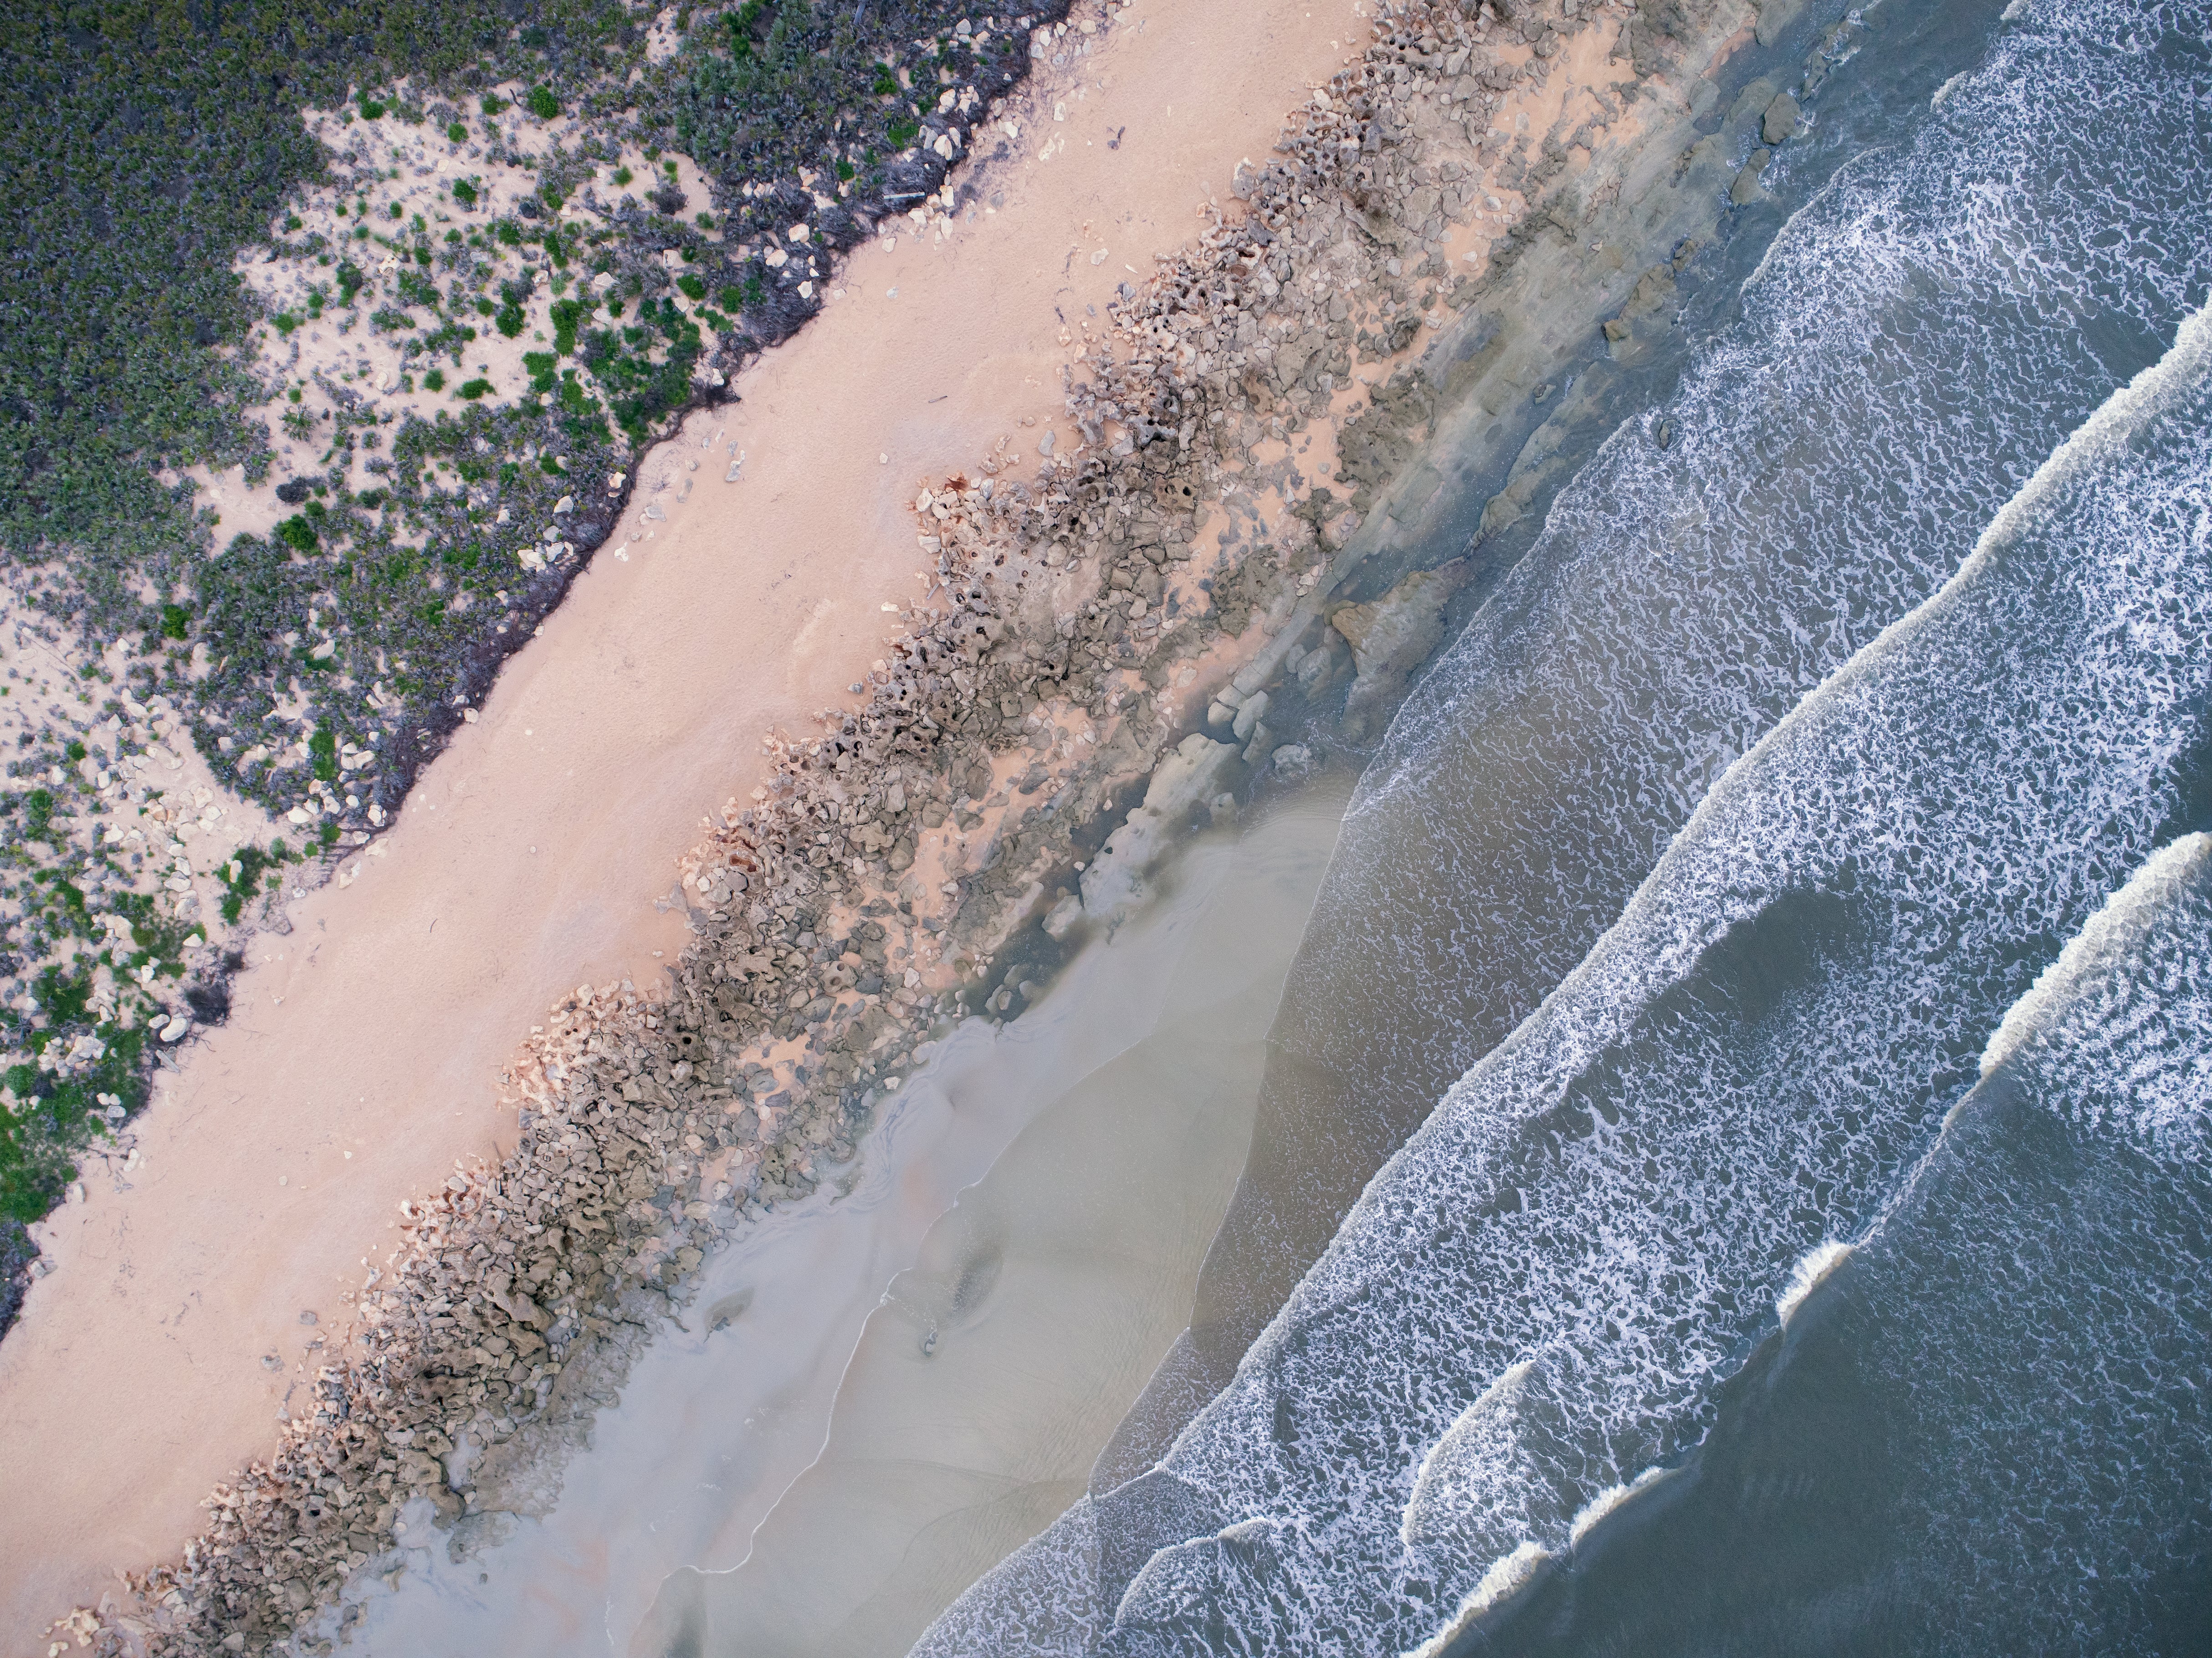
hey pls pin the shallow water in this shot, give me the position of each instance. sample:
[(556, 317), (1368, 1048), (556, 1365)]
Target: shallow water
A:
[(871, 1399)]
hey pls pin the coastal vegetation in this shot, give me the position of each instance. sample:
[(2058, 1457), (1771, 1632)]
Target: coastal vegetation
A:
[(316, 666)]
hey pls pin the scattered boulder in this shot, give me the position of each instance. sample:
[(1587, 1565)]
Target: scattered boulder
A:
[(1393, 635), (1780, 121)]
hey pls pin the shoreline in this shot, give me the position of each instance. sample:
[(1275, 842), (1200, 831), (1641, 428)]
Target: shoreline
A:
[(981, 531), (988, 1197)]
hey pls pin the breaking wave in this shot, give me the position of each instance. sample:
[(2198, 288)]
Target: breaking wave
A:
[(1869, 790)]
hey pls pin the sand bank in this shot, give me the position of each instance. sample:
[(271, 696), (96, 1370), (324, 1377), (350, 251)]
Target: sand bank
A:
[(364, 1047), (1037, 1202)]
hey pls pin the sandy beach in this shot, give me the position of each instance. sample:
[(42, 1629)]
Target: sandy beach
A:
[(364, 1051)]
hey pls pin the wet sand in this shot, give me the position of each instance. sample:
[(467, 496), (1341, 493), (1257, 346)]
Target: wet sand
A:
[(1019, 1249), (363, 1052)]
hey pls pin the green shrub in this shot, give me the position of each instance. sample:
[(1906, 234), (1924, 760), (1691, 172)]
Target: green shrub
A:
[(472, 389), (565, 314), (744, 24), (241, 877), (508, 231), (435, 380), (623, 175), (732, 297), (323, 751), (464, 192), (494, 104), (901, 131), (349, 280), (543, 104), (285, 321), (457, 133), (297, 533), (172, 621), (370, 109), (510, 321), (692, 286)]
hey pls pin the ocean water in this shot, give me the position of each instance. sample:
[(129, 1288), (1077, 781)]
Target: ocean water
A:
[(1971, 1435), (1842, 689), (1957, 289)]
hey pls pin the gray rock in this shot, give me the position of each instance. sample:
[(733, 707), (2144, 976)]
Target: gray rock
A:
[(1060, 919), (1188, 775), (1394, 635), (1746, 188), (1774, 16), (1780, 120)]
